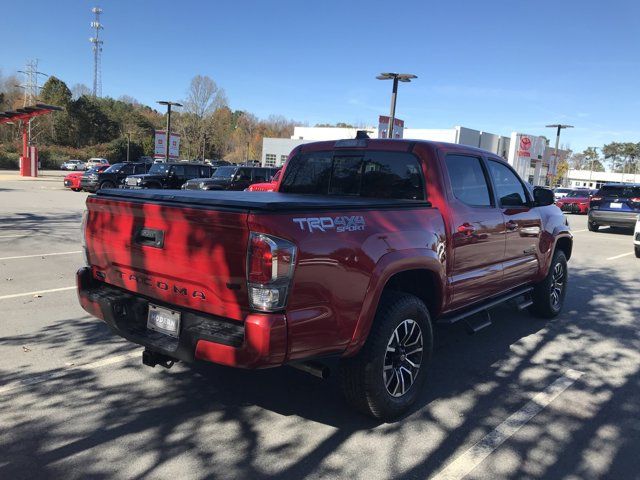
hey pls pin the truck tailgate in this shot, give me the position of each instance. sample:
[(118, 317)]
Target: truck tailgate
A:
[(189, 257)]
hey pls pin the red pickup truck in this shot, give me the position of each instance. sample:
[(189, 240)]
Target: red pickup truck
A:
[(366, 246)]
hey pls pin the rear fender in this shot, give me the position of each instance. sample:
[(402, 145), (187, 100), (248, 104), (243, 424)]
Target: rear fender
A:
[(389, 265)]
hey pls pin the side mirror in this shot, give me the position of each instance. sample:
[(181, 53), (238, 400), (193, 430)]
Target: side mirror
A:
[(543, 196)]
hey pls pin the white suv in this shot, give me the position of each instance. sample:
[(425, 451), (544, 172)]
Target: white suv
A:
[(96, 162)]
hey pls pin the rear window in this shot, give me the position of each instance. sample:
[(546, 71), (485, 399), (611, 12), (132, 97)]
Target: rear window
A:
[(621, 191), (366, 174)]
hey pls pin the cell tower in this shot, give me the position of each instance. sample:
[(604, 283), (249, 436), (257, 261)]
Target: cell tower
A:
[(30, 83), (97, 52)]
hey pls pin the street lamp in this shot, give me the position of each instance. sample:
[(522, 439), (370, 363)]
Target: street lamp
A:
[(168, 139), (396, 77), (559, 127)]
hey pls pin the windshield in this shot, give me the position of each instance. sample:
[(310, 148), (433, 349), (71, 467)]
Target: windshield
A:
[(623, 191), (93, 170), (115, 168), (159, 169), (578, 193), (224, 172), (562, 190)]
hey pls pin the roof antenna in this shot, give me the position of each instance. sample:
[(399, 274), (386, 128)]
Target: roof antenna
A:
[(360, 134)]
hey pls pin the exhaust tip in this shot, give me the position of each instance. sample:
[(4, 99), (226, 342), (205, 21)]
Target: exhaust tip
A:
[(316, 369)]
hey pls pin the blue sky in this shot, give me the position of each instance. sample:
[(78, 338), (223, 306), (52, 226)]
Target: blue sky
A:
[(497, 66)]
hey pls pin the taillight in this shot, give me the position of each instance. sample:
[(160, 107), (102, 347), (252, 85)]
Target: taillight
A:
[(270, 264), (635, 200), (596, 199)]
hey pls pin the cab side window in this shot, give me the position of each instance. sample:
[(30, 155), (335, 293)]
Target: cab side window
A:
[(127, 169), (509, 188), (244, 174), (259, 175), (468, 181), (192, 171), (178, 170)]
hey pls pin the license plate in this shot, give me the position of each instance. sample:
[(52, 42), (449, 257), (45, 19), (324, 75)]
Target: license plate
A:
[(615, 205), (163, 320)]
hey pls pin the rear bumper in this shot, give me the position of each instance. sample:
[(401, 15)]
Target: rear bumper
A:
[(573, 208), (259, 342), (612, 218)]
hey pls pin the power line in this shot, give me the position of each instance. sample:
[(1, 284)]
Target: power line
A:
[(30, 82), (97, 52)]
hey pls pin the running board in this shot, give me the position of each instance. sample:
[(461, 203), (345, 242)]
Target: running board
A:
[(456, 317)]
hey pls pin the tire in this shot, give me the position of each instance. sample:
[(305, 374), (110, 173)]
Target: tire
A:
[(637, 250), (76, 189), (592, 226), (548, 295), (106, 184), (367, 381)]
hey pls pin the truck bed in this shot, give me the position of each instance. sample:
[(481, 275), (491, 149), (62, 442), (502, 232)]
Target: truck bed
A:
[(258, 201)]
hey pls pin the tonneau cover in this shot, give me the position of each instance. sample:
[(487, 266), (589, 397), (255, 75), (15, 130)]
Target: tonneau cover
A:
[(258, 201)]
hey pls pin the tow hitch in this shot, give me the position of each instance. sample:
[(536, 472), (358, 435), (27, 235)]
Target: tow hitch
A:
[(151, 359)]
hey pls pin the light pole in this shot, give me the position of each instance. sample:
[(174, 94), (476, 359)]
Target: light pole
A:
[(396, 77), (128, 142), (204, 145), (559, 127), (169, 104)]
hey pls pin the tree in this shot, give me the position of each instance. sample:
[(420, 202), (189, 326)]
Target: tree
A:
[(55, 92), (80, 89), (561, 172), (592, 159), (622, 156), (203, 97)]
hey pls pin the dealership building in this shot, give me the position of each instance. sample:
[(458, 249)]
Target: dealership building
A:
[(276, 150), (529, 155)]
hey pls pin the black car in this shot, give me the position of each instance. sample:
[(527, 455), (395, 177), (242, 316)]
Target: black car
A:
[(113, 176), (231, 178), (615, 205), (168, 175)]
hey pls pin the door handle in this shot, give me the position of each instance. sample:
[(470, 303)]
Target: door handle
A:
[(511, 225), (466, 229)]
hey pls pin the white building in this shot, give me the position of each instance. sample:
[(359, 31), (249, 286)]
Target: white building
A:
[(589, 179), (276, 150)]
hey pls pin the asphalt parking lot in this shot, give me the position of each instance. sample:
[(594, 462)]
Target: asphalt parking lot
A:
[(523, 398)]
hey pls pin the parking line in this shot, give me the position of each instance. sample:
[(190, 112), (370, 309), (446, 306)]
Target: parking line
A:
[(578, 231), (43, 377), (39, 292), (13, 236), (469, 460), (621, 255), (40, 255)]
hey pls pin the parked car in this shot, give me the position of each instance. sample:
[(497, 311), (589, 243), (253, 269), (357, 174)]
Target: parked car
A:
[(560, 192), (73, 165), (72, 181), (364, 248), (96, 162), (615, 205), (636, 237), (232, 177), (576, 201), (113, 176), (168, 175), (270, 186)]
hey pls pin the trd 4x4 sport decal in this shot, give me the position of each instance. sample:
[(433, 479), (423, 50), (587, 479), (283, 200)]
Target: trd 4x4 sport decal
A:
[(339, 224)]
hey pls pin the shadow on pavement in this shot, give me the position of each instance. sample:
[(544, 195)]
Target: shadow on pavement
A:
[(131, 421)]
